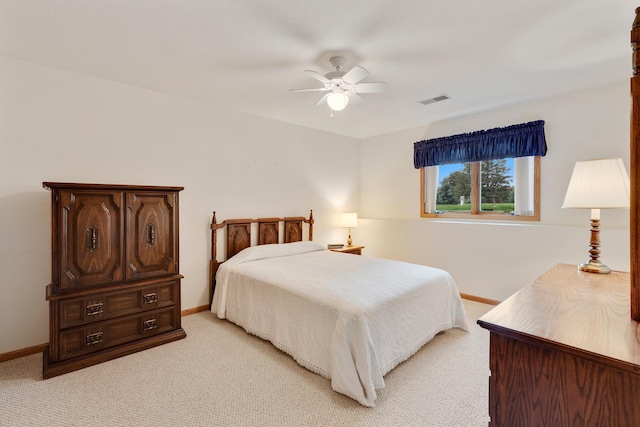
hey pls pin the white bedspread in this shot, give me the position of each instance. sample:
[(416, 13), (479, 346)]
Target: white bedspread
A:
[(348, 318)]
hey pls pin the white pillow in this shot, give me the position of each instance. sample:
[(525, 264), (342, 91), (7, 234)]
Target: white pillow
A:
[(253, 253), (274, 250)]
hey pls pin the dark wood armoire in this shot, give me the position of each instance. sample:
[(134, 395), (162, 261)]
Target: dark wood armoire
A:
[(115, 281)]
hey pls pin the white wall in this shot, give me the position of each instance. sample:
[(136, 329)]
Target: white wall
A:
[(60, 126), (494, 260)]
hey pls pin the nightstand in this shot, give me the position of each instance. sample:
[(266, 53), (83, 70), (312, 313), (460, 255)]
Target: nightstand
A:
[(356, 250)]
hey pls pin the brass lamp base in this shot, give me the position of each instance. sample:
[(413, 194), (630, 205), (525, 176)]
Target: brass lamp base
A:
[(594, 266)]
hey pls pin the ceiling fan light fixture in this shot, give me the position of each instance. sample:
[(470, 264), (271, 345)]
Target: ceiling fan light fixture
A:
[(337, 101), (342, 87)]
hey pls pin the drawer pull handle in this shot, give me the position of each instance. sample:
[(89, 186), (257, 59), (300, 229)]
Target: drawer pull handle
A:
[(93, 309), (150, 298), (92, 238), (96, 338), (149, 324), (151, 235)]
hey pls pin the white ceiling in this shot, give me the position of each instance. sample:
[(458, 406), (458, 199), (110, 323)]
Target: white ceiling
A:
[(247, 54)]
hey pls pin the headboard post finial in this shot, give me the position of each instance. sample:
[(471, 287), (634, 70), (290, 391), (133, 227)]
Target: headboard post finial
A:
[(311, 224)]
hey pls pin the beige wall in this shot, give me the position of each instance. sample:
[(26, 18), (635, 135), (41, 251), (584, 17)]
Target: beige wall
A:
[(60, 126), (494, 260)]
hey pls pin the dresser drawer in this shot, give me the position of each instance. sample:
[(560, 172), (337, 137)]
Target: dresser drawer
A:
[(94, 337), (104, 306)]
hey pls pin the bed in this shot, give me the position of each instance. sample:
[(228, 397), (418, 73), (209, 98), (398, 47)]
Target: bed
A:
[(348, 318)]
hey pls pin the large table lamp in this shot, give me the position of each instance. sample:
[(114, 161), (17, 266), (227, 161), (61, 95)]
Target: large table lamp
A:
[(597, 184), (349, 220)]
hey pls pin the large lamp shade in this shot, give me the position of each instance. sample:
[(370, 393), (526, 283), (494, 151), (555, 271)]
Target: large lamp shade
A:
[(598, 184)]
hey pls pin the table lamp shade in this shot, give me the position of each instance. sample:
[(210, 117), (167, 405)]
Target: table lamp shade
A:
[(598, 184), (349, 219)]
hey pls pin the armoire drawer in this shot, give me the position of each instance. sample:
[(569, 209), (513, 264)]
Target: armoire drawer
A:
[(94, 337), (98, 307)]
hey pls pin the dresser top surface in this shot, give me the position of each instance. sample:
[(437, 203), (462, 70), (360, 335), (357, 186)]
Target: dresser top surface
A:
[(112, 187), (587, 311)]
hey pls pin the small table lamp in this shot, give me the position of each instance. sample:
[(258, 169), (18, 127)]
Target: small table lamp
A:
[(349, 219), (597, 184)]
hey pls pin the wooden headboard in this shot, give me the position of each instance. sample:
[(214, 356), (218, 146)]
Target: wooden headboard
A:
[(238, 237)]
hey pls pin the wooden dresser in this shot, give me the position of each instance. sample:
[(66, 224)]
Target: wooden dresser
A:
[(115, 282), (565, 352)]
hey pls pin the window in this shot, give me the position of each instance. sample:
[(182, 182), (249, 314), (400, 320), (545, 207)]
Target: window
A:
[(504, 189), (491, 173)]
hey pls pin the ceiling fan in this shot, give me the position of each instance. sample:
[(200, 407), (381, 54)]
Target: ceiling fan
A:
[(343, 86)]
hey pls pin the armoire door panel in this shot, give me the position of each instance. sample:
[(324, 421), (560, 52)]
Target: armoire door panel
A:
[(151, 241), (91, 238)]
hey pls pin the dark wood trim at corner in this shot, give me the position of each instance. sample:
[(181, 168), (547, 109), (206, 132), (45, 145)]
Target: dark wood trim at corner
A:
[(480, 299), (23, 352), (194, 310)]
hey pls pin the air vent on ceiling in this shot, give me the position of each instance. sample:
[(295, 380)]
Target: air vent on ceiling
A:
[(434, 99)]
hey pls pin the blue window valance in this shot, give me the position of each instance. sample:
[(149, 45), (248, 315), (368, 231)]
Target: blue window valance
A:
[(521, 140)]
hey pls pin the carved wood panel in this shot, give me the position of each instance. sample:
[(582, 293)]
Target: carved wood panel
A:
[(292, 231), (151, 243), (91, 239), (238, 238), (268, 232)]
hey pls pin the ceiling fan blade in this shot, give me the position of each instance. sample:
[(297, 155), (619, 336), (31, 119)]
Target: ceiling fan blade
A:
[(369, 87), (318, 76), (323, 100), (354, 98), (355, 74), (319, 89)]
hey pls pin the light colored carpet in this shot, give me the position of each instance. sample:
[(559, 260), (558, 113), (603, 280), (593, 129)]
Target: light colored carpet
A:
[(221, 376)]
